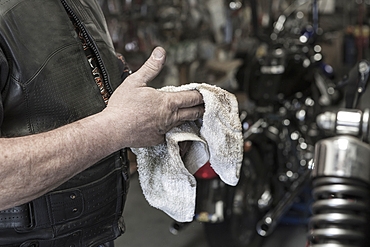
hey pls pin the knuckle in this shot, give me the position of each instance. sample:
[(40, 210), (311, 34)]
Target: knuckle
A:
[(151, 66), (195, 115), (162, 131), (171, 104), (198, 97)]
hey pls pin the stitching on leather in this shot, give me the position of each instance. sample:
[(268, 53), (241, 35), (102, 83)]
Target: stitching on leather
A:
[(9, 8), (47, 60)]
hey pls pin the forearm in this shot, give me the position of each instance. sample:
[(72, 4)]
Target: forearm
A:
[(33, 165), (136, 116)]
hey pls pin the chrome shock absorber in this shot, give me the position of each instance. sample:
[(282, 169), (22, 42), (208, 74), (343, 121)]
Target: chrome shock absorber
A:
[(341, 182)]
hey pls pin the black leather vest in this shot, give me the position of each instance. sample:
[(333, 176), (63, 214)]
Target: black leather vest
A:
[(46, 82)]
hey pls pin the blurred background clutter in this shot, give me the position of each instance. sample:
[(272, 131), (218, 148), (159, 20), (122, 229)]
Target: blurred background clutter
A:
[(287, 62), (210, 40)]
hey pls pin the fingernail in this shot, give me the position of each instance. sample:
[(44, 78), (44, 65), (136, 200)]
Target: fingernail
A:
[(157, 54)]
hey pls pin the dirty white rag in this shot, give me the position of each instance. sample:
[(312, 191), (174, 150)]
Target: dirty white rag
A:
[(166, 179)]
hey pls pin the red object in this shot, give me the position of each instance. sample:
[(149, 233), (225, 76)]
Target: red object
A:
[(206, 172)]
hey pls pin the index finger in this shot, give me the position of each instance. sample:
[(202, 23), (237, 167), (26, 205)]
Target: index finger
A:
[(185, 99)]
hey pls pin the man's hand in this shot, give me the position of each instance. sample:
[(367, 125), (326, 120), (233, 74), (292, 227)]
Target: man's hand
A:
[(136, 116), (142, 115)]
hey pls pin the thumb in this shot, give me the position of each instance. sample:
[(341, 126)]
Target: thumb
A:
[(150, 68)]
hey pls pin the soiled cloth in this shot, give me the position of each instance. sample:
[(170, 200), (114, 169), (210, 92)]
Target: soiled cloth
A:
[(166, 179)]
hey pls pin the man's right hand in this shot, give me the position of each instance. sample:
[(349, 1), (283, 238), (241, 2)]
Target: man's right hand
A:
[(136, 116), (141, 115)]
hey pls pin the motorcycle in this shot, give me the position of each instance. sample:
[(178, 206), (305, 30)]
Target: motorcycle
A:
[(288, 88)]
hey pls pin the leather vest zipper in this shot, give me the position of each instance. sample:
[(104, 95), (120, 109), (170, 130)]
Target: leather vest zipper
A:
[(90, 42)]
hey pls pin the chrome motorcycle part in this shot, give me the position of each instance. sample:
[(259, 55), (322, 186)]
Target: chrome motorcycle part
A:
[(253, 129), (265, 200), (364, 70), (341, 179), (342, 156), (346, 122), (340, 213), (365, 126), (355, 83)]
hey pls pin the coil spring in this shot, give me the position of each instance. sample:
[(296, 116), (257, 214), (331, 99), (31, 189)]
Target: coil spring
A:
[(340, 213)]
